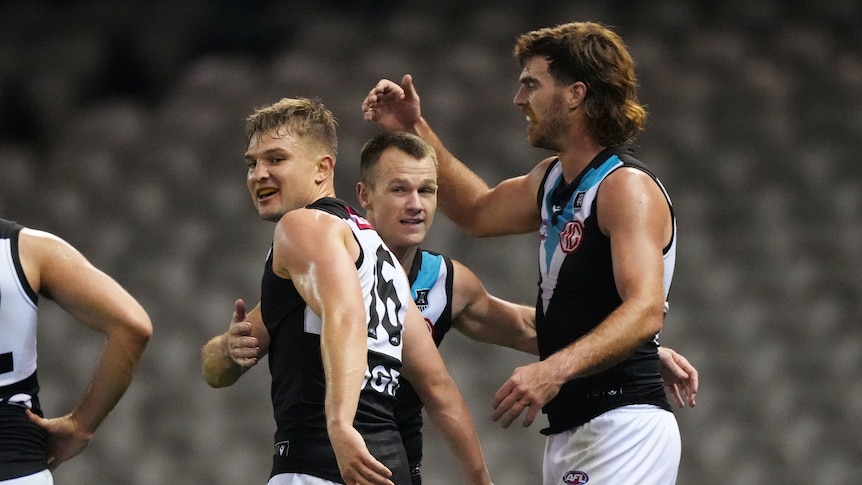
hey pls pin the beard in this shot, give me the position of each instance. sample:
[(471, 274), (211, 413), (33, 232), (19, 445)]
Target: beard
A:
[(549, 131)]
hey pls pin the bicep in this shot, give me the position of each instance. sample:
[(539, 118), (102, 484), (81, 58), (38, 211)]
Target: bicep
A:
[(634, 214), (510, 207), (79, 288), (318, 256), (481, 316)]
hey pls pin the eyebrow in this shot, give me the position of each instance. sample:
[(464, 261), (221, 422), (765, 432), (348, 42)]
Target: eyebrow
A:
[(423, 182), (528, 79), (271, 151)]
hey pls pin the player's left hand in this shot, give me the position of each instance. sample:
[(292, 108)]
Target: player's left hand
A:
[(65, 438), (680, 377)]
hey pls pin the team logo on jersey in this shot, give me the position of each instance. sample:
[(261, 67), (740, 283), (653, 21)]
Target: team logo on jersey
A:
[(579, 200), (575, 477), (571, 237), (282, 447), (382, 379), (422, 299)]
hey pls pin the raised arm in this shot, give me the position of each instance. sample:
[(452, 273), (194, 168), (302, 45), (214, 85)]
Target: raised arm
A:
[(486, 318), (226, 357), (318, 252), (425, 370), (508, 208), (57, 270)]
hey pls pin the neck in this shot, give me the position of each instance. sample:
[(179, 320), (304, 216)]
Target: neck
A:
[(577, 156), (405, 256)]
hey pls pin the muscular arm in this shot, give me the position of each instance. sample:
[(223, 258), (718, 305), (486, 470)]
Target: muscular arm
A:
[(318, 252), (508, 208), (486, 318), (634, 214), (60, 272), (425, 370), (226, 357)]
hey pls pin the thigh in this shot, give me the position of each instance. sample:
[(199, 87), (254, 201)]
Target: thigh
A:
[(298, 479), (630, 445), (42, 478)]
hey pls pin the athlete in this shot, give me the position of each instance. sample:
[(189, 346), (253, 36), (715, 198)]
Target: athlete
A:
[(398, 190), (335, 318), (35, 264), (606, 255)]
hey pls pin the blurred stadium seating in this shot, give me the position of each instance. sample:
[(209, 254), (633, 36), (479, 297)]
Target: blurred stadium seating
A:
[(121, 130)]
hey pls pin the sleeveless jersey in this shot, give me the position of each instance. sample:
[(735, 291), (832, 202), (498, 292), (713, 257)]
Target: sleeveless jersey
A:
[(22, 443), (298, 382), (577, 292), (430, 279)]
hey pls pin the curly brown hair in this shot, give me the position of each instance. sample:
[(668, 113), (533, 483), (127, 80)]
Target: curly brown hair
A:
[(595, 55)]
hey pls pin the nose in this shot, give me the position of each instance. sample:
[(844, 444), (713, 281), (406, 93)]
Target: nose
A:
[(413, 201), (519, 99), (259, 172)]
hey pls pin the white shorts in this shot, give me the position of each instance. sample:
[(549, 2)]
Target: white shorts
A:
[(298, 479), (42, 478), (631, 445)]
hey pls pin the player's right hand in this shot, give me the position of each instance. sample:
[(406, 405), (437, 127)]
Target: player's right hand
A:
[(244, 349)]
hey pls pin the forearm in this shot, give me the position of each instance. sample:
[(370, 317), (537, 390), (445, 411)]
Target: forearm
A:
[(611, 342), (459, 187), (450, 415), (113, 375), (218, 368), (345, 358)]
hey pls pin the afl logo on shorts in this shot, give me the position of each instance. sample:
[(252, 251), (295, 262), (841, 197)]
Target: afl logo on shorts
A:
[(570, 238), (575, 477)]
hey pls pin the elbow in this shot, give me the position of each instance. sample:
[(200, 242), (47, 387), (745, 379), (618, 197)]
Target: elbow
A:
[(141, 331), (136, 330), (144, 330), (654, 321)]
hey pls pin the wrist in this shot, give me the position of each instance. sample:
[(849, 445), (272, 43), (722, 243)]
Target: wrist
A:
[(82, 429)]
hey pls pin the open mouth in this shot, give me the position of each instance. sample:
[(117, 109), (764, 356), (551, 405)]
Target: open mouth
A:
[(264, 193)]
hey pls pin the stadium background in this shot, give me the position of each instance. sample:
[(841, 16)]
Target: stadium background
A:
[(121, 131)]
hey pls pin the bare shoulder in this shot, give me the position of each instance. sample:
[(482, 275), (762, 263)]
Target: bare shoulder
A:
[(464, 280), (630, 183), (628, 195), (537, 174), (307, 224), (306, 237), (39, 249), (467, 289)]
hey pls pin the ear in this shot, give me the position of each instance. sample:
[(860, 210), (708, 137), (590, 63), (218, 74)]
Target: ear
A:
[(325, 166), (575, 94), (363, 195)]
